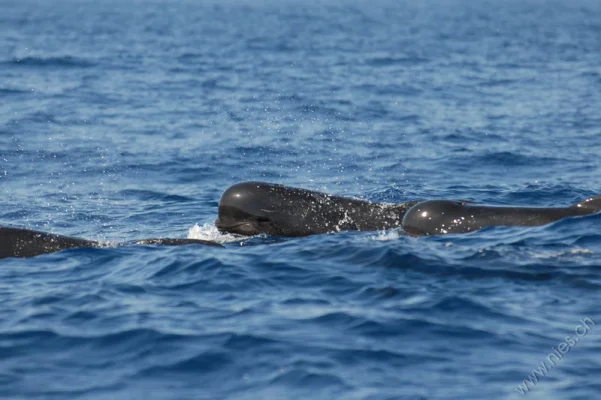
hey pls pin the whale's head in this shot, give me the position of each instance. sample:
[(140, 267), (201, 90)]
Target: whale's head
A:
[(439, 217), (251, 208)]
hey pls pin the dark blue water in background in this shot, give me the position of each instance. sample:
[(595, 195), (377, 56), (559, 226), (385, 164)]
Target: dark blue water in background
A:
[(127, 119)]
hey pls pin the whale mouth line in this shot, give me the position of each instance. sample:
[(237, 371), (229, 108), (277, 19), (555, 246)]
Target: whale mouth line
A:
[(232, 226), (246, 228)]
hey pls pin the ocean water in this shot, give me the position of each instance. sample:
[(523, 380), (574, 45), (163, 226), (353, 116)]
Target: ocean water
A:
[(127, 119)]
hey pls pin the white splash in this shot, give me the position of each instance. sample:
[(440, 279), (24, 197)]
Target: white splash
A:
[(210, 232), (557, 254), (393, 234), (344, 220)]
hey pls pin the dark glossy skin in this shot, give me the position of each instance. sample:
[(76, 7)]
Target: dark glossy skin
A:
[(17, 242), (250, 208), (439, 217)]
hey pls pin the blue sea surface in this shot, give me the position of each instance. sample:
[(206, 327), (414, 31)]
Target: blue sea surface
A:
[(127, 119)]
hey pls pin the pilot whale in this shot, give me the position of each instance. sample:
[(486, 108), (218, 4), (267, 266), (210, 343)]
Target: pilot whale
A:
[(18, 242), (251, 208), (439, 217)]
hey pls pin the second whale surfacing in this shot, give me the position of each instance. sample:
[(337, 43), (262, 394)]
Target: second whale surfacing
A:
[(18, 242), (250, 208), (440, 217)]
